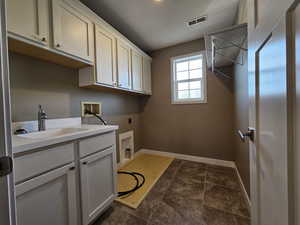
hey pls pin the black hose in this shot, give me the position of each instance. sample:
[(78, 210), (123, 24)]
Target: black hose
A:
[(138, 183), (97, 116)]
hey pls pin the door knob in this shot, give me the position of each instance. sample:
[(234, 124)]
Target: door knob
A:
[(248, 134)]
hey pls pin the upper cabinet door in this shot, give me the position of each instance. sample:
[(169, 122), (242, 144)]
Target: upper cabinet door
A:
[(137, 71), (72, 32), (147, 87), (124, 68), (29, 19), (105, 57)]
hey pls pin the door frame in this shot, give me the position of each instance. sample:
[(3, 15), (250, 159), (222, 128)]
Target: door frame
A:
[(8, 211)]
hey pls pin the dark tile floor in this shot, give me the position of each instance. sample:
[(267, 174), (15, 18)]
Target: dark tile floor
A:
[(188, 193)]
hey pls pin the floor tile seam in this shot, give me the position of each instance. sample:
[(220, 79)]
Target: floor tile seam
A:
[(224, 186), (163, 194), (227, 211), (204, 189), (230, 213)]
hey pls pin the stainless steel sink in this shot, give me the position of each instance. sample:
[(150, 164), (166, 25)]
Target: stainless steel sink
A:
[(52, 133)]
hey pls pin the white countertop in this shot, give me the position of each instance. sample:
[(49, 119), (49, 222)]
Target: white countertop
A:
[(22, 144)]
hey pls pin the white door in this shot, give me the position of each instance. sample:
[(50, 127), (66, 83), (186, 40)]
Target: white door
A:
[(7, 200), (72, 32), (137, 71), (271, 130), (49, 199), (29, 19), (105, 57), (124, 65), (295, 59), (147, 87), (98, 183), (271, 96)]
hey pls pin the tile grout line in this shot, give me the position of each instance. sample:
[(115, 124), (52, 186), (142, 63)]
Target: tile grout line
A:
[(172, 179), (224, 186), (206, 183), (222, 210), (205, 178)]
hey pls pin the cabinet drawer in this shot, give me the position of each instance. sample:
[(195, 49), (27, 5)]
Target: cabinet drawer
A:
[(91, 145), (33, 164)]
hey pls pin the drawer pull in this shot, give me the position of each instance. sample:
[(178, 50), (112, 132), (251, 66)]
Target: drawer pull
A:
[(84, 163)]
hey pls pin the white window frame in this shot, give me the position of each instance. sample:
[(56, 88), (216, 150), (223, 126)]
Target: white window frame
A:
[(204, 80)]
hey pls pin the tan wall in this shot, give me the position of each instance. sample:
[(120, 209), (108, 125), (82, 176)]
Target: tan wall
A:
[(241, 116), (204, 130), (36, 82)]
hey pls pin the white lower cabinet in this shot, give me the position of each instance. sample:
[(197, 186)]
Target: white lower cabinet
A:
[(98, 183), (66, 184), (48, 199)]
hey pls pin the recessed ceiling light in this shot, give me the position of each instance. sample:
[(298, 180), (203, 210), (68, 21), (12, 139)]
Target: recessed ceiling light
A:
[(158, 0)]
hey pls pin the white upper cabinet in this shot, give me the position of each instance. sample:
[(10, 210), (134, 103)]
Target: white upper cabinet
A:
[(72, 32), (137, 71), (147, 88), (124, 65), (105, 50), (29, 19), (68, 33)]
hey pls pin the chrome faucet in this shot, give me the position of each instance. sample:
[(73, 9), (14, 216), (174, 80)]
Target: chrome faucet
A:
[(42, 116)]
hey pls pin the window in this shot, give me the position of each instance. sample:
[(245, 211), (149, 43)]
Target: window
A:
[(189, 79)]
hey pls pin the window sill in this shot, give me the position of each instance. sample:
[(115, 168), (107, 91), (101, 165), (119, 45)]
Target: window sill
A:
[(189, 102)]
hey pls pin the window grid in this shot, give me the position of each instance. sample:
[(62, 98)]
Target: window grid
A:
[(189, 90)]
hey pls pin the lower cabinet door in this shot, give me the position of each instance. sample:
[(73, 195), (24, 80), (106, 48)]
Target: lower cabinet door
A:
[(98, 183), (49, 199)]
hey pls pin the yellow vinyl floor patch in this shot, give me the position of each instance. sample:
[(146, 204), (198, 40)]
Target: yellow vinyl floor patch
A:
[(151, 166)]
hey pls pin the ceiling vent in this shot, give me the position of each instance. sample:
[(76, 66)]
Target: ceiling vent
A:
[(196, 21)]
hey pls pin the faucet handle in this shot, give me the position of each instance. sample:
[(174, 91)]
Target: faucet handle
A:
[(42, 112)]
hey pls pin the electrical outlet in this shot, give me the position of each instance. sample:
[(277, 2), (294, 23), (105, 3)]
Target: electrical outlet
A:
[(94, 107)]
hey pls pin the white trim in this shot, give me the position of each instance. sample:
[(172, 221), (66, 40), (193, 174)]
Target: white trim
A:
[(246, 196), (204, 80), (217, 162)]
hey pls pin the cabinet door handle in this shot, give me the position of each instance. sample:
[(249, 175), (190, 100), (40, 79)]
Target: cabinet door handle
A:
[(41, 39), (72, 168), (84, 163)]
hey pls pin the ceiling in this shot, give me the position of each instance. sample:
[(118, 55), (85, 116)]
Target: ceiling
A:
[(155, 24)]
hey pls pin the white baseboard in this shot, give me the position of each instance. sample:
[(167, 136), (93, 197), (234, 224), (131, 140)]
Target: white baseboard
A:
[(202, 160), (246, 196), (190, 158)]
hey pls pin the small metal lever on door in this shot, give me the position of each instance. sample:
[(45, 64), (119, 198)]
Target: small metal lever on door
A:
[(6, 166), (249, 134)]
